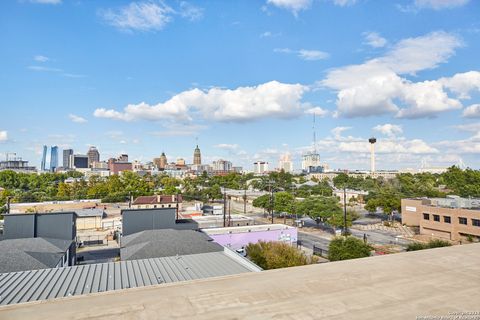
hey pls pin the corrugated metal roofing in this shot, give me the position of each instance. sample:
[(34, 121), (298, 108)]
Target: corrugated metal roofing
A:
[(45, 284)]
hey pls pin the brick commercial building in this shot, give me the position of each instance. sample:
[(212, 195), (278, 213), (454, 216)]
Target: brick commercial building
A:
[(452, 218)]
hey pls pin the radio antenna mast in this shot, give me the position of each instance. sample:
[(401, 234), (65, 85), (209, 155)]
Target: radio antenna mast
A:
[(314, 136)]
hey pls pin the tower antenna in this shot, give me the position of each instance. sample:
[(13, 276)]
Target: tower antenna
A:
[(314, 136)]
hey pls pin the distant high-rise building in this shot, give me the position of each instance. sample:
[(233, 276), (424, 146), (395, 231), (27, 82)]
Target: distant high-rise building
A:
[(93, 155), (53, 158), (79, 161), (163, 161), (222, 165), (260, 167), (197, 156), (117, 166), (285, 162), (180, 162), (310, 161), (67, 164), (43, 165)]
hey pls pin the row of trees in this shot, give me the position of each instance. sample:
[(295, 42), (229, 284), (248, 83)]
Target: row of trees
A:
[(319, 208), (386, 194)]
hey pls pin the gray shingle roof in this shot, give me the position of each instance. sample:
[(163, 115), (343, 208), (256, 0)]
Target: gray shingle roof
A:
[(165, 243), (31, 253), (17, 287)]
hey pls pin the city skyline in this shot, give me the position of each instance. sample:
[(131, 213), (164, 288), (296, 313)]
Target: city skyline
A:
[(245, 79)]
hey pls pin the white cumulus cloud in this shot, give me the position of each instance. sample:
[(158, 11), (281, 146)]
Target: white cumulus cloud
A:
[(318, 111), (374, 39), (304, 54), (40, 58), (379, 85), (268, 100), (472, 111), (439, 4), (77, 119), (293, 5), (3, 136), (142, 16), (388, 129)]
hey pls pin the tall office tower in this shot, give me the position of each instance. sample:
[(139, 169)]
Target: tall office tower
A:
[(260, 167), (43, 165), (79, 161), (67, 164), (285, 162), (222, 165), (53, 158), (93, 156), (197, 156), (372, 142)]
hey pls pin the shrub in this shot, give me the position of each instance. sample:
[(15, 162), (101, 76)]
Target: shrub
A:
[(344, 248), (275, 255), (436, 243)]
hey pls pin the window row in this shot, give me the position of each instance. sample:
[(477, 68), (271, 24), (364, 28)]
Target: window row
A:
[(448, 219)]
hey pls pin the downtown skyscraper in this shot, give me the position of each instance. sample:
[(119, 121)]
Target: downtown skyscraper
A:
[(43, 165), (53, 158)]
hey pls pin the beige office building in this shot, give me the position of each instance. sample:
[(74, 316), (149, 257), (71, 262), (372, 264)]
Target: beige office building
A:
[(452, 218)]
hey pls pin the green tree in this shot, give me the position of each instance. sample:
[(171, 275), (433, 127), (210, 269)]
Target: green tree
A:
[(320, 208), (344, 248), (283, 202), (263, 202)]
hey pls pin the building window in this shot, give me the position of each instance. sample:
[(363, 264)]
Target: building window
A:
[(426, 216), (436, 218), (447, 219), (476, 222), (462, 220)]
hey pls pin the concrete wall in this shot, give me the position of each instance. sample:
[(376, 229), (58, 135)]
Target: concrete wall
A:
[(86, 223), (239, 240)]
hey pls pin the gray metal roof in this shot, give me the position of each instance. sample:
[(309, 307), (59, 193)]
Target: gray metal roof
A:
[(164, 243), (18, 287), (84, 213), (31, 253)]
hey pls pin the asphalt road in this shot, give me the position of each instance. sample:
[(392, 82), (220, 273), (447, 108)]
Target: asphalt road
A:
[(379, 237), (308, 240)]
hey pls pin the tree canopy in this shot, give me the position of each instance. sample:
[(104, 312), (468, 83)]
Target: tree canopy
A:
[(344, 248)]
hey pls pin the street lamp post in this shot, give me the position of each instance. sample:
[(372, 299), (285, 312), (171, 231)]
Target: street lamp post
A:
[(245, 197), (270, 184), (344, 211), (8, 204), (224, 207)]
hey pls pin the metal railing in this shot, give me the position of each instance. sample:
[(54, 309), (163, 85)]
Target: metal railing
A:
[(93, 240)]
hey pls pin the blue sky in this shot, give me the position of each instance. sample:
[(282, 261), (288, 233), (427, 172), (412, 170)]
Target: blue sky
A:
[(244, 77)]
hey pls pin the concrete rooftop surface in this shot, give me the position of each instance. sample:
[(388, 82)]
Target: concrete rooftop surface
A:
[(398, 286)]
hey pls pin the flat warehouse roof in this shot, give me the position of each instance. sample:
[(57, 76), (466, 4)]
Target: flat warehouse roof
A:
[(246, 229), (396, 286), (17, 287)]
